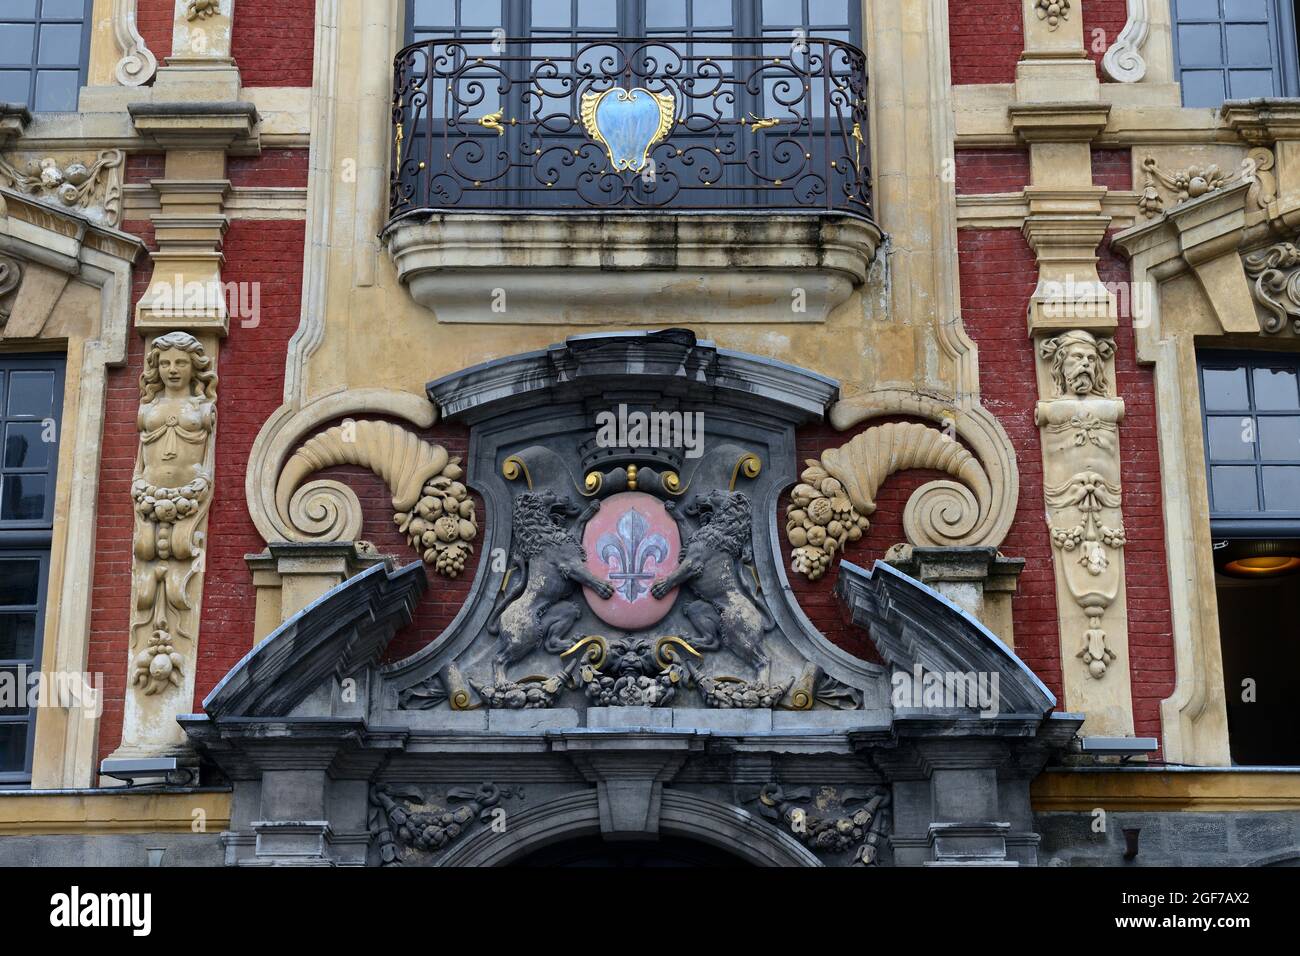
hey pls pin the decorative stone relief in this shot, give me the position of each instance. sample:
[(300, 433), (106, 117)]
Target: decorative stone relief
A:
[(172, 491), (860, 827), (400, 829), (11, 277), (829, 507), (1275, 283), (138, 64), (1081, 481), (1053, 11), (1195, 181), (202, 9), (92, 188), (1123, 61), (432, 505)]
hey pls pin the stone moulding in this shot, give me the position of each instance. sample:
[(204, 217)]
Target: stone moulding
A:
[(291, 426), (577, 268), (1123, 61), (138, 64), (1274, 275), (433, 507), (831, 504)]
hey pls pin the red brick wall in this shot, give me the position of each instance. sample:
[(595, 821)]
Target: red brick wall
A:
[(998, 274), (1102, 22), (273, 43), (275, 167), (1150, 621), (991, 171), (1113, 168), (154, 18), (986, 38)]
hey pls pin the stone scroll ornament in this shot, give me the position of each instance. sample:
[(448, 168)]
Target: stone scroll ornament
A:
[(172, 493), (1081, 481), (829, 507), (432, 506), (1274, 275)]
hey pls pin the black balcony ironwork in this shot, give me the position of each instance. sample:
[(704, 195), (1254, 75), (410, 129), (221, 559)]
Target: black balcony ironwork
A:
[(511, 124)]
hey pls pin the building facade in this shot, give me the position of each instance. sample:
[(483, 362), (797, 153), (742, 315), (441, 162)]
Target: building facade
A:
[(794, 432)]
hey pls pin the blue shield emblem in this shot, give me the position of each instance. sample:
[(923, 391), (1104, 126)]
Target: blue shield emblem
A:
[(628, 123)]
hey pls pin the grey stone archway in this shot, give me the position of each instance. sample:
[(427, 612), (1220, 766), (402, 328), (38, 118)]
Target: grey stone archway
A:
[(685, 815)]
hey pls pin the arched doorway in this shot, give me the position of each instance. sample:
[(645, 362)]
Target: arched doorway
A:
[(594, 852)]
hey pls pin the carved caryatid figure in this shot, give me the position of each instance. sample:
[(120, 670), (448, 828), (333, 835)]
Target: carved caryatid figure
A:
[(1082, 484), (172, 492)]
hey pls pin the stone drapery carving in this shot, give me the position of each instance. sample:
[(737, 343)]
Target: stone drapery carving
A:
[(860, 827), (829, 507), (1053, 11), (138, 64), (172, 491), (1123, 61), (432, 507), (1274, 275), (90, 187), (11, 277), (1080, 428), (398, 828), (1195, 181)]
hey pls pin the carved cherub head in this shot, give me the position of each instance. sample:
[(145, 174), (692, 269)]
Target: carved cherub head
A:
[(1078, 362), (177, 361)]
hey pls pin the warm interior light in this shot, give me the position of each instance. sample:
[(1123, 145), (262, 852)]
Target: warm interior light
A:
[(1263, 566)]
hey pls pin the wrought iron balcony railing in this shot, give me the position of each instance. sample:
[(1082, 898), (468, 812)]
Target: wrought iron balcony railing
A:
[(598, 123)]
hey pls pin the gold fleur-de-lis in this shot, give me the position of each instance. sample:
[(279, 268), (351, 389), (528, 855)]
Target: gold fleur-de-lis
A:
[(493, 121)]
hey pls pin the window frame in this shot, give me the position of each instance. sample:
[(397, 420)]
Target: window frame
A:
[(1283, 53), (29, 538), (37, 19), (1238, 524)]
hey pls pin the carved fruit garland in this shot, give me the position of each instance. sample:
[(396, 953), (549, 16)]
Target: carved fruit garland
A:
[(829, 508), (432, 505)]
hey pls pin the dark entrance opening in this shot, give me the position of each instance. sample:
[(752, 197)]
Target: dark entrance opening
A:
[(1261, 666), (595, 852)]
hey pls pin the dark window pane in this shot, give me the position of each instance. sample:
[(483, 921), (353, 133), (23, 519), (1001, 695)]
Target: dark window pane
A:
[(1281, 488), (13, 747), (782, 12), (666, 15), (24, 445), (22, 498), (63, 9), (828, 12), (1233, 489), (13, 86), (598, 13), (19, 578), (435, 13), (1243, 84), (1276, 388), (711, 13), (1279, 438), (1231, 438), (1198, 9), (1246, 10), (31, 395), (1247, 44), (17, 42), (552, 13), (17, 637), (480, 13), (15, 693), (1225, 388), (60, 44), (56, 91), (1203, 88)]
